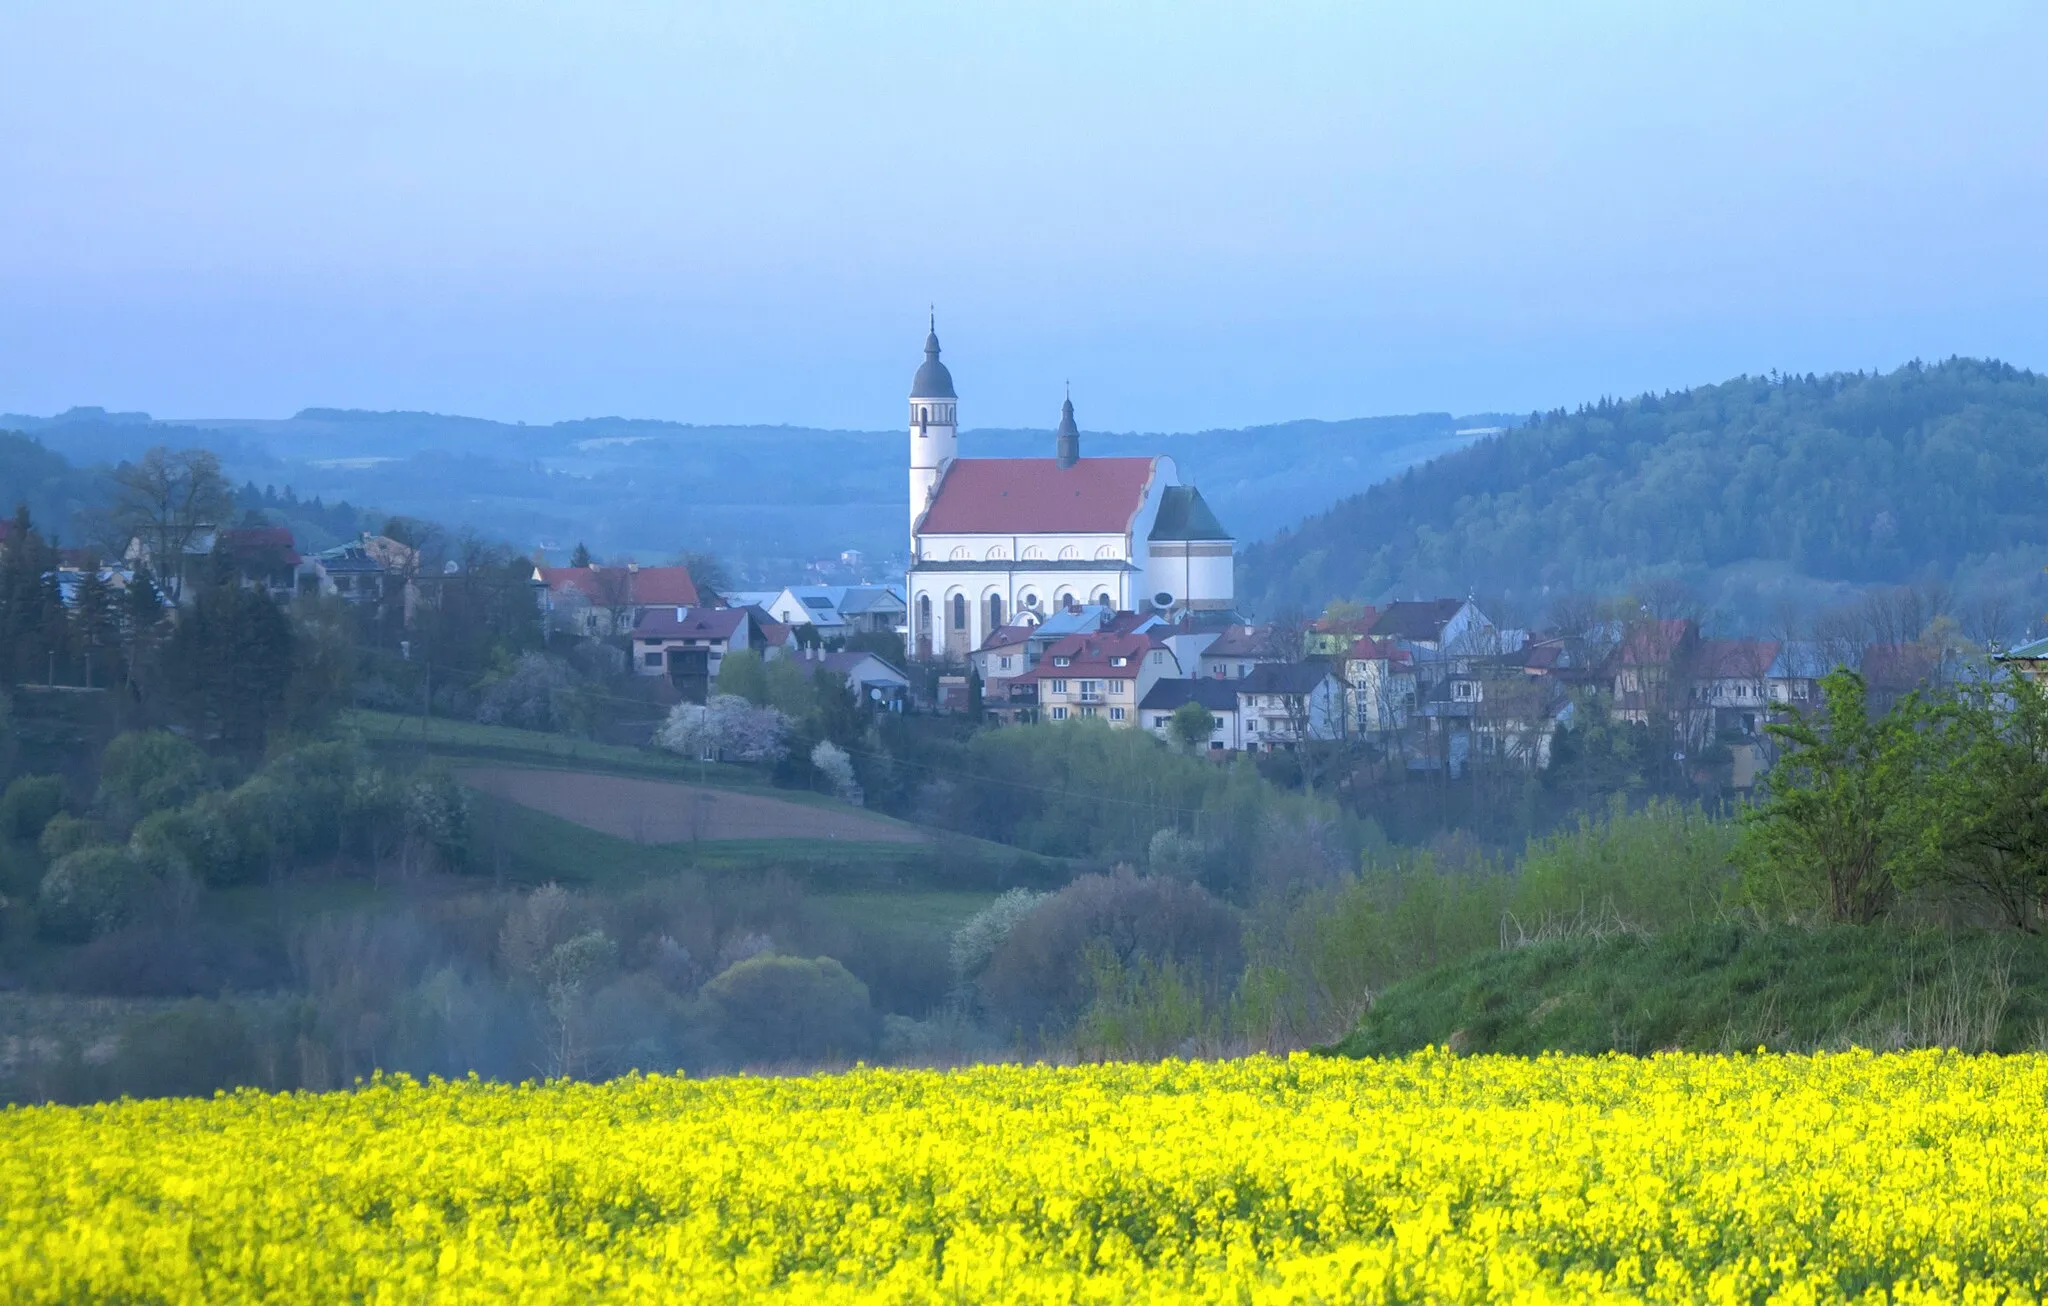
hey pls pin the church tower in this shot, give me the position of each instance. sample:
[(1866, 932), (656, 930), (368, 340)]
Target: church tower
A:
[(934, 427)]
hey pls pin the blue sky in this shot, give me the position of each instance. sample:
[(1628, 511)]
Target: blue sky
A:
[(1204, 215)]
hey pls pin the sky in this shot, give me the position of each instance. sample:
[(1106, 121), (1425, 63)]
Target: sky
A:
[(1200, 215)]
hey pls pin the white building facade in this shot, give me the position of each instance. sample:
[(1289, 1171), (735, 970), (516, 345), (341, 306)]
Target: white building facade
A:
[(995, 541)]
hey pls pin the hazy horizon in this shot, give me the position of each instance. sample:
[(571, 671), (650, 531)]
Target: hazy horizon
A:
[(737, 214)]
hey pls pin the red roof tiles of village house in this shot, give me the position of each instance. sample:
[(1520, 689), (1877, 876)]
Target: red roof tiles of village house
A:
[(1378, 650), (1007, 636), (1734, 659), (646, 585), (1037, 496), (1655, 643), (253, 541), (1091, 655)]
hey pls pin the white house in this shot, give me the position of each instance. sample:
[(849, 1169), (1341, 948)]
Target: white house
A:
[(1281, 704), (998, 540)]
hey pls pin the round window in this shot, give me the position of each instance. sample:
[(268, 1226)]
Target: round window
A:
[(1162, 599)]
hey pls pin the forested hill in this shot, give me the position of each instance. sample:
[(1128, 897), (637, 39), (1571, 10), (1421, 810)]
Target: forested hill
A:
[(1849, 477)]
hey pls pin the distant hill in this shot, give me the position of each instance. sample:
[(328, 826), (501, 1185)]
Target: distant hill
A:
[(766, 498), (1844, 479)]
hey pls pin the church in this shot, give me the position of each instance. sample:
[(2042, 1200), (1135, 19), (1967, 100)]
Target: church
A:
[(997, 541)]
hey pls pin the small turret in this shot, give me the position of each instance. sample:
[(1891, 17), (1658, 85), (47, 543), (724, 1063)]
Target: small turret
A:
[(1069, 435)]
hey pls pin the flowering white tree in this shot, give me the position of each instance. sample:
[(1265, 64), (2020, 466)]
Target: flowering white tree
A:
[(837, 768), (728, 728)]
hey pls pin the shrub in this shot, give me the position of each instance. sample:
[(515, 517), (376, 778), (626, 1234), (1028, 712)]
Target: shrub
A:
[(149, 771), (65, 833), (29, 804), (1039, 979), (982, 933), (437, 816), (90, 892), (770, 1009)]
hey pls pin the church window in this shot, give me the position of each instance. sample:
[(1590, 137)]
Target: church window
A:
[(1107, 552), (998, 553), (960, 553), (1066, 600), (924, 614), (959, 612), (1069, 553), (995, 611), (1102, 599), (1033, 552), (1030, 600)]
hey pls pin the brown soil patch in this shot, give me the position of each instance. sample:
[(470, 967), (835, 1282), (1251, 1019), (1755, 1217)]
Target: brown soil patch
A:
[(665, 811)]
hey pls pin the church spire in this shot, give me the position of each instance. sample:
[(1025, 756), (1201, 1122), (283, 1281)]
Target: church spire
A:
[(1069, 442)]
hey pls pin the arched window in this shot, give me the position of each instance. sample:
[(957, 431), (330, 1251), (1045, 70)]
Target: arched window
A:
[(1102, 599), (1106, 553), (960, 553), (995, 611), (959, 612), (924, 615), (1066, 601), (1032, 552), (1069, 553)]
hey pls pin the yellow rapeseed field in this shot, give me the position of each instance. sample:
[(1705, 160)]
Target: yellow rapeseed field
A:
[(1917, 1176)]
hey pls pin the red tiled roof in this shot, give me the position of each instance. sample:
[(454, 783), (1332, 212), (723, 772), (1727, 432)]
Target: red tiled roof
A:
[(1008, 636), (249, 541), (1735, 659), (1096, 496), (1090, 655), (1655, 642), (1378, 650), (648, 585)]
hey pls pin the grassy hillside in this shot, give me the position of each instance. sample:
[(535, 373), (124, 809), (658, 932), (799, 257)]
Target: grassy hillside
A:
[(1724, 987), (1846, 478)]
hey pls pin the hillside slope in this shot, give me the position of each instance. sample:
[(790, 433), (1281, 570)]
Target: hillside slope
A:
[(1724, 988), (1848, 477)]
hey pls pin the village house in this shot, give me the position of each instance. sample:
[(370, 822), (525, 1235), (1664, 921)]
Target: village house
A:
[(832, 611), (602, 601), (1218, 696), (1649, 668), (878, 684), (1103, 674), (688, 645), (1237, 650), (1281, 704), (1379, 687)]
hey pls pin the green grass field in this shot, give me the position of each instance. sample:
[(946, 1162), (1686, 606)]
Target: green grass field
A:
[(1725, 987), (438, 737)]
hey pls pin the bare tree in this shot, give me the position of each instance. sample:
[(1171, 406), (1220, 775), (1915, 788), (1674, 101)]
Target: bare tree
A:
[(163, 501)]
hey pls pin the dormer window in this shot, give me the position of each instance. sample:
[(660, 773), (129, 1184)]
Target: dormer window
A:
[(1063, 661), (1118, 660)]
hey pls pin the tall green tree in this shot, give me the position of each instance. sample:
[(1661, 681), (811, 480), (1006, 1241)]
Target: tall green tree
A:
[(1848, 807), (1990, 826), (228, 664)]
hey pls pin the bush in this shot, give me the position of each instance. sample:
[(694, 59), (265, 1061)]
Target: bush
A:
[(149, 771), (65, 833), (91, 892), (1040, 977), (770, 1009), (982, 933), (437, 817), (29, 804)]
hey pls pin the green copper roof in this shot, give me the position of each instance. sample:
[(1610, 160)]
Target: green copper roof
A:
[(1183, 515)]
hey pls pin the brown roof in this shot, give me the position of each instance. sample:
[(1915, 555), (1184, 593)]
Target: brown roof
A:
[(1359, 625), (1408, 619), (1735, 659), (689, 623), (1655, 643), (1241, 642), (1096, 496), (649, 585), (1008, 636)]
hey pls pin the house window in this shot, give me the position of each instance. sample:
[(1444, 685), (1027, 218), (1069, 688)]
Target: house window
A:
[(1158, 657), (1116, 714), (1252, 725), (1464, 691), (1091, 689), (1118, 661), (1243, 669), (1799, 691), (1118, 686), (1005, 661), (1059, 686), (654, 659), (1161, 721), (1059, 714), (1087, 711), (1063, 661), (959, 612)]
